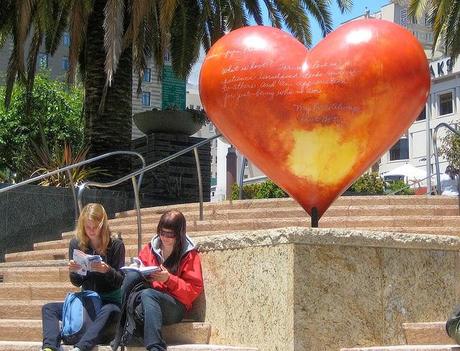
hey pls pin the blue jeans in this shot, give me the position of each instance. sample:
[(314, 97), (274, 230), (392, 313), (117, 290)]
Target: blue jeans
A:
[(159, 309), (101, 330)]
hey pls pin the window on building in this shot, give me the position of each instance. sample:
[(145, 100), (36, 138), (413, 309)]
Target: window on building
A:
[(66, 39), (400, 150), (422, 115), (65, 63), (146, 98), (446, 104), (42, 60), (147, 75), (167, 57)]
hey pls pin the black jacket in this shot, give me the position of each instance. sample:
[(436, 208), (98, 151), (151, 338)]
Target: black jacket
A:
[(101, 282)]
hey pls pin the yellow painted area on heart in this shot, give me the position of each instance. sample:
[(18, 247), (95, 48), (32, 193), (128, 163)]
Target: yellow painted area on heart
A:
[(321, 155)]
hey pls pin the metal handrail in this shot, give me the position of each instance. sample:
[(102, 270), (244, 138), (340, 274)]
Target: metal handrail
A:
[(69, 168), (435, 149), (144, 169), (408, 186)]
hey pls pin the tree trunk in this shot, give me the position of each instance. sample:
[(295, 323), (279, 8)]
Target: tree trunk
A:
[(110, 130)]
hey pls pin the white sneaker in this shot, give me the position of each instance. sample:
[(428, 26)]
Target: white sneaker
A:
[(75, 349)]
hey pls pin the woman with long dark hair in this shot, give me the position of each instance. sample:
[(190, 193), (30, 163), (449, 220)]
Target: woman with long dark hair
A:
[(172, 289)]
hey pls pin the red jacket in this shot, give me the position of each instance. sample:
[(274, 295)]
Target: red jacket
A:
[(186, 284)]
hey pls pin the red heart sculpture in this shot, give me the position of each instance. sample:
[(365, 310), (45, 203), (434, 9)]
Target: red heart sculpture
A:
[(314, 121)]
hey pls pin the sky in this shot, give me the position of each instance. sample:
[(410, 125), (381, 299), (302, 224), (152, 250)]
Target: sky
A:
[(358, 9)]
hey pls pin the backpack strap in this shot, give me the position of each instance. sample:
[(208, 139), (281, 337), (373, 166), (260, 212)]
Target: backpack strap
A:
[(133, 282)]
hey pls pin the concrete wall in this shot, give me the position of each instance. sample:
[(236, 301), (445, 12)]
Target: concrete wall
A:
[(33, 213), (323, 289)]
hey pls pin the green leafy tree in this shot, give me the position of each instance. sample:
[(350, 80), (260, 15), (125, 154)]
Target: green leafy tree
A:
[(109, 39), (450, 149), (55, 111)]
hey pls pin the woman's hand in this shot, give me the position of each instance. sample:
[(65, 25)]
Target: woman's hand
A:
[(73, 266), (100, 267), (160, 276)]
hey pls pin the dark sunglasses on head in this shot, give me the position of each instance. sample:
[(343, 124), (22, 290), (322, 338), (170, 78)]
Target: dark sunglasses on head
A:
[(167, 234)]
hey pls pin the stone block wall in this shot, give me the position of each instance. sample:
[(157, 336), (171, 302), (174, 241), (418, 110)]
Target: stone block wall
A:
[(175, 181), (33, 213), (323, 289)]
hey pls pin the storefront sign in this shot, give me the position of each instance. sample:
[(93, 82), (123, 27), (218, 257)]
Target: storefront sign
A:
[(441, 67)]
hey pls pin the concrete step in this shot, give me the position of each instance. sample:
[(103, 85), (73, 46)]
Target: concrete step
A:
[(180, 333), (427, 333), (32, 291), (35, 346), (286, 212), (406, 348), (34, 274), (22, 309), (40, 263), (208, 227), (341, 201)]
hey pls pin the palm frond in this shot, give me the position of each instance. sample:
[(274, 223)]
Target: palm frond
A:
[(345, 5), (7, 8), (419, 8), (453, 32), (185, 41), (140, 27), (57, 25), (273, 15), (23, 21), (78, 20), (253, 8), (234, 14), (113, 34), (11, 73), (167, 11), (31, 66), (295, 19), (320, 11), (156, 37)]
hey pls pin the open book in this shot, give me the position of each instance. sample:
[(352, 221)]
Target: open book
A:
[(85, 261), (138, 266)]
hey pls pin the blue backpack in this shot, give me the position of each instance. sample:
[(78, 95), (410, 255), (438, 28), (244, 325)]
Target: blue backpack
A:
[(79, 308)]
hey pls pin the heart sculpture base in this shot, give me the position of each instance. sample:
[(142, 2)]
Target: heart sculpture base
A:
[(314, 121)]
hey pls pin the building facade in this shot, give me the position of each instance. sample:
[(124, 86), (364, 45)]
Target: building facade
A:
[(415, 147)]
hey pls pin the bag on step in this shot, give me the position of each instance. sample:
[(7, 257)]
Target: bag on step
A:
[(453, 324), (130, 329), (79, 309)]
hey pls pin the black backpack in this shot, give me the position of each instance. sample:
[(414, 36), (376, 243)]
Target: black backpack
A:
[(453, 324), (131, 326)]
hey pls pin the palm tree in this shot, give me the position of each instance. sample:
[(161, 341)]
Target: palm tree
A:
[(109, 39), (444, 16)]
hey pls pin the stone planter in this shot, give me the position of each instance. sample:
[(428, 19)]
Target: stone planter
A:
[(173, 122)]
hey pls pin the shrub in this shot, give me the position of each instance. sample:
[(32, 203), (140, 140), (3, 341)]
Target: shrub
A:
[(450, 149), (368, 183), (263, 190), (396, 186)]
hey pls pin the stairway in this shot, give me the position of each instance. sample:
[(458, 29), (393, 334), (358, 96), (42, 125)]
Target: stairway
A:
[(33, 278)]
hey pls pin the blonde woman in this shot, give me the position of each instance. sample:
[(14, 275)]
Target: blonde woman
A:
[(92, 237)]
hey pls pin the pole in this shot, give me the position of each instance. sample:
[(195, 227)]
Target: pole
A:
[(314, 217)]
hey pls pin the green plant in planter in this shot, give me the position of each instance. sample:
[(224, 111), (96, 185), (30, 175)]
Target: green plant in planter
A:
[(170, 120), (198, 115)]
